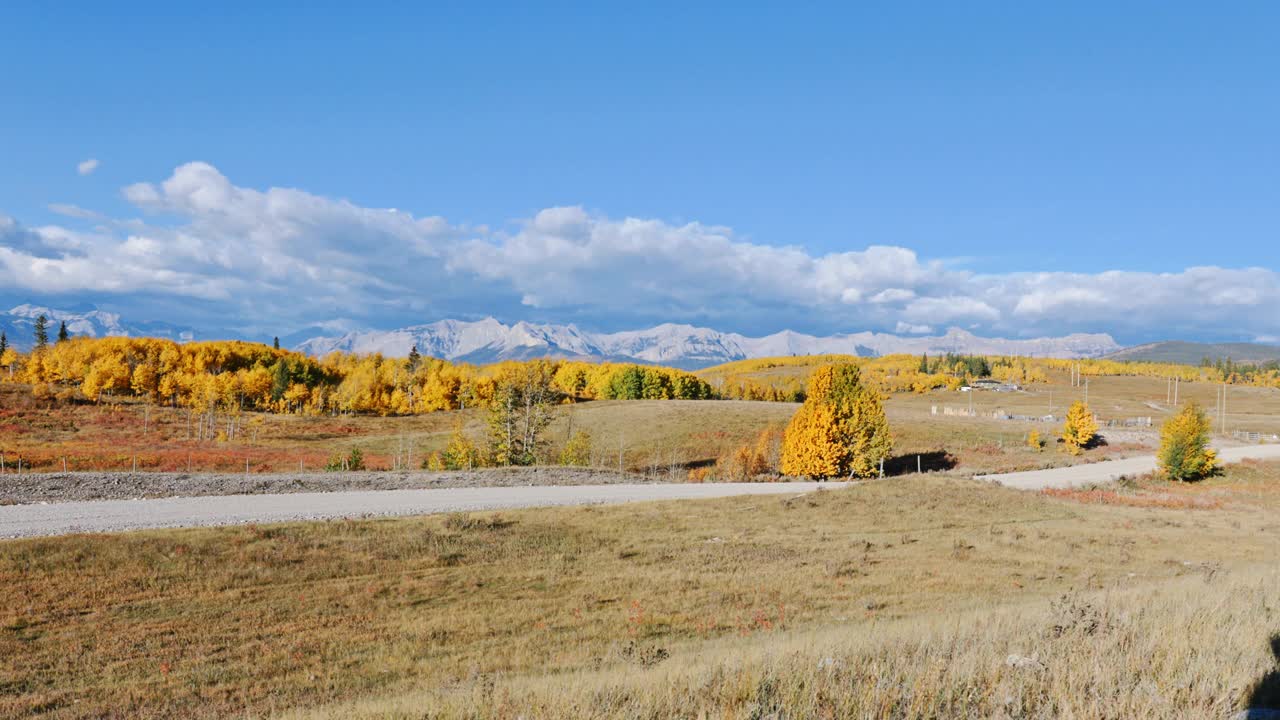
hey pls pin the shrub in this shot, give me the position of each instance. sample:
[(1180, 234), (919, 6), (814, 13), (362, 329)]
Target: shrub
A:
[(461, 453), (352, 461), (434, 462), (752, 459), (1034, 442), (578, 450)]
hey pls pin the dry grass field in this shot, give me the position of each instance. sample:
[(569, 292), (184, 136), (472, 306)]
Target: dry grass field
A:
[(902, 597), (658, 437), (650, 435)]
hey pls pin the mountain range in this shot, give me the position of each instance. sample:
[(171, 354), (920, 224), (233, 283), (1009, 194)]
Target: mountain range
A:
[(683, 346), (19, 323)]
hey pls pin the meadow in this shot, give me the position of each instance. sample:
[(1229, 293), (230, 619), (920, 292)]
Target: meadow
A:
[(660, 437), (902, 597)]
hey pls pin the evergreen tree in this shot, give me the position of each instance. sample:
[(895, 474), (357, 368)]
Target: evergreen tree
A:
[(42, 332), (924, 364), (63, 335), (275, 343), (627, 385), (4, 342), (414, 358)]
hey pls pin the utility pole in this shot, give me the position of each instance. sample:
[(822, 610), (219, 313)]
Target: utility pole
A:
[(1224, 408)]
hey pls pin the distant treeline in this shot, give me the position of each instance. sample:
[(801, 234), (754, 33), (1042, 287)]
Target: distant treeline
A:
[(233, 376), (1230, 368), (229, 376), (783, 379)]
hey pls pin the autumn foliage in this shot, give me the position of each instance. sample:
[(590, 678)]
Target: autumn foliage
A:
[(1080, 429), (1184, 445), (232, 376), (751, 460), (840, 430)]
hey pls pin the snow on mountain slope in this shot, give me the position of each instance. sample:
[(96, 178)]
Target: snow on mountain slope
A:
[(489, 340), (679, 345), (18, 325)]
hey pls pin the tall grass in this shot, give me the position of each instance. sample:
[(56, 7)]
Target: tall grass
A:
[(1190, 648)]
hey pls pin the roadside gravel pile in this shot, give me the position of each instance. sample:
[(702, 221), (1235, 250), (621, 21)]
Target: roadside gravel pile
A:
[(64, 487)]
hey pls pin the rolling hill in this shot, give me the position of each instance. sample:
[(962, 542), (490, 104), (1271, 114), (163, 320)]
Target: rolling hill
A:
[(1192, 353)]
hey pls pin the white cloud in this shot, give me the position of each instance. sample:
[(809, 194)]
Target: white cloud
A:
[(86, 167), (906, 328), (293, 258)]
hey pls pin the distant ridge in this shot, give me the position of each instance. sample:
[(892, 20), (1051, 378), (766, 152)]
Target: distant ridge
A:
[(676, 345), (18, 325), (683, 346), (1192, 353)]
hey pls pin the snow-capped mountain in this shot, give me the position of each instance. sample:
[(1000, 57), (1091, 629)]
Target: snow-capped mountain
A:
[(18, 325), (678, 345), (489, 340)]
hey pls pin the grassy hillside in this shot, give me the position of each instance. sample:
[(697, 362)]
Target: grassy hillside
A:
[(737, 607), (1191, 353), (661, 437), (111, 436)]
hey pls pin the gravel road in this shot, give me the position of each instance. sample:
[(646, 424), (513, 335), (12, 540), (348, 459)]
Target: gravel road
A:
[(1101, 472), (113, 515)]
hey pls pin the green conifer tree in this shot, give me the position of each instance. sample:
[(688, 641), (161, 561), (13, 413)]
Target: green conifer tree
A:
[(42, 333)]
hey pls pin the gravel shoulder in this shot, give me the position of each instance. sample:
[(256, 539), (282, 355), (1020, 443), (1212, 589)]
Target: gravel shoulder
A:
[(80, 486), (116, 515)]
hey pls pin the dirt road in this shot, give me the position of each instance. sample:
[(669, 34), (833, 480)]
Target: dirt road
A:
[(1106, 471), (114, 515)]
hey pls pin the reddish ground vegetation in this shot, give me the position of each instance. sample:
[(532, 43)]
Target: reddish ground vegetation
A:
[(1168, 501)]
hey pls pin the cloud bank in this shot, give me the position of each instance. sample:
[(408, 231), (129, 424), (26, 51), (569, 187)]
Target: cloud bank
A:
[(285, 257), (87, 167)]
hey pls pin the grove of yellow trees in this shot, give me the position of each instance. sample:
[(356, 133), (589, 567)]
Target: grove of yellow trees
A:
[(233, 376)]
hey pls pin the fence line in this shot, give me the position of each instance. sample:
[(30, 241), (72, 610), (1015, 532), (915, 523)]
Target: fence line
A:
[(1002, 415), (1254, 436)]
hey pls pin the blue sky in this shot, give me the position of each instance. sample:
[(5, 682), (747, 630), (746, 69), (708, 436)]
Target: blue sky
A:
[(991, 141)]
